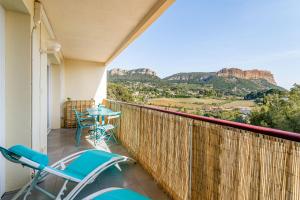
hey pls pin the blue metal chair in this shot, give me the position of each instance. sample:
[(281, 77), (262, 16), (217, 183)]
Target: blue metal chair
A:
[(110, 128), (106, 130), (83, 121)]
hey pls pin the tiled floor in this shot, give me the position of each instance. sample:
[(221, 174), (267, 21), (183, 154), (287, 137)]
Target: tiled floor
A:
[(61, 143)]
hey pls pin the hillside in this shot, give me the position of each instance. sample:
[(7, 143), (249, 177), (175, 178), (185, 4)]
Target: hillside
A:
[(227, 81), (140, 75)]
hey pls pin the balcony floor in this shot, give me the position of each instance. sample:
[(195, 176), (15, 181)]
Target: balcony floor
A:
[(61, 143)]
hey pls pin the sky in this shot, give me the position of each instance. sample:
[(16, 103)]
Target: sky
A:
[(208, 35)]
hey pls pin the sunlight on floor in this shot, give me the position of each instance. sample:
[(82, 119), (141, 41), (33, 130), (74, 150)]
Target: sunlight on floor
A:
[(100, 145)]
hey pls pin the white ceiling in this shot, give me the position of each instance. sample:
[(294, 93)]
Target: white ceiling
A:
[(95, 29)]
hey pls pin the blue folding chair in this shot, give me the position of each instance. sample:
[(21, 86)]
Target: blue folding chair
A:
[(109, 129), (81, 168)]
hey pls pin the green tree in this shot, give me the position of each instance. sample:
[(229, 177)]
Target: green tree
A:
[(280, 111), (119, 93)]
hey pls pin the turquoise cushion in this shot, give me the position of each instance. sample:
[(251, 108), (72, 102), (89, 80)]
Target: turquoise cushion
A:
[(121, 194), (87, 162), (30, 154)]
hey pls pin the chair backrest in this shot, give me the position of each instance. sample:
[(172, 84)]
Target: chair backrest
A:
[(77, 116), (25, 156), (114, 116), (10, 156)]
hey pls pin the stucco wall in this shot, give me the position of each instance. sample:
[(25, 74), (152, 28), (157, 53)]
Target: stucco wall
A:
[(18, 92), (84, 80)]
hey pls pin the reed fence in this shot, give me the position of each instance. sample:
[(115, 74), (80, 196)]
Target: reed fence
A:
[(200, 158), (69, 115)]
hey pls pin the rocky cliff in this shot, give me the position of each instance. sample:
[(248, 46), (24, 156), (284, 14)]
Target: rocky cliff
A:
[(117, 72), (140, 71), (247, 74), (192, 76), (199, 76), (229, 81)]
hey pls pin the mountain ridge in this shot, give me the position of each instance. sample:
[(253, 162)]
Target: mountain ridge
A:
[(253, 74), (123, 72), (232, 81)]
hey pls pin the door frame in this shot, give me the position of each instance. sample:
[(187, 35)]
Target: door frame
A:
[(2, 97), (49, 98)]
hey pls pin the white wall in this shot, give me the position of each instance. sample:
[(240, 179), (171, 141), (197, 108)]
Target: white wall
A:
[(17, 91), (84, 80), (2, 97)]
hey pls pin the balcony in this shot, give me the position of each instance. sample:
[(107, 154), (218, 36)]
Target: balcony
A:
[(52, 51), (179, 156)]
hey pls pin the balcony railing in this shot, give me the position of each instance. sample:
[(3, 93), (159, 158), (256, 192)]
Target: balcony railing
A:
[(194, 157)]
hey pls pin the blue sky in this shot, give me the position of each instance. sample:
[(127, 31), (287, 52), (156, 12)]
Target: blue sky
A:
[(207, 35)]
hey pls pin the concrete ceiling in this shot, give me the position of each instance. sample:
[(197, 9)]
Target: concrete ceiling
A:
[(16, 5), (98, 30)]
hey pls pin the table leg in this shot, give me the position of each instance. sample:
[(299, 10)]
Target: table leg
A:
[(103, 119)]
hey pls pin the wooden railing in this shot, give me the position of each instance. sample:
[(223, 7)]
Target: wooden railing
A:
[(195, 157)]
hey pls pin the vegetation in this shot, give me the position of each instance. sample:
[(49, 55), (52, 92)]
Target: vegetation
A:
[(134, 78), (280, 111), (119, 93), (193, 84), (263, 103), (231, 115), (258, 96)]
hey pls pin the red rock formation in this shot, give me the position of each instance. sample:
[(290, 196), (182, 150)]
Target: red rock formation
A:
[(247, 74)]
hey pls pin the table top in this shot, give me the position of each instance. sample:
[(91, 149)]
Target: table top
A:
[(101, 112)]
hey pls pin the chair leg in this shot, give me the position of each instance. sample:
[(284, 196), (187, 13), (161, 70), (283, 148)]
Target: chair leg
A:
[(76, 133), (21, 191), (28, 187), (114, 137), (63, 188), (110, 134), (78, 136), (98, 135)]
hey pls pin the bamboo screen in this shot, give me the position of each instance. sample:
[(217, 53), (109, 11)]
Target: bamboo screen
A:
[(229, 163), (193, 159), (69, 115), (159, 141)]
